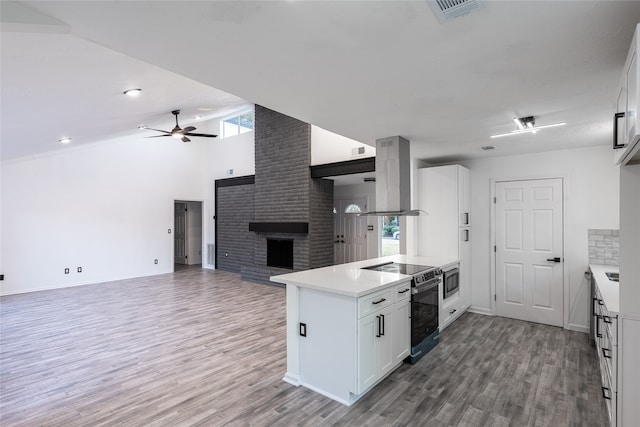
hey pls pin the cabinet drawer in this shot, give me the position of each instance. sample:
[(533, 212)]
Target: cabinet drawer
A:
[(374, 302), (402, 291)]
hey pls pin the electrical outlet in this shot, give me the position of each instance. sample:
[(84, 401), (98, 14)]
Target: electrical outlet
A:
[(66, 270), (155, 261), (79, 269)]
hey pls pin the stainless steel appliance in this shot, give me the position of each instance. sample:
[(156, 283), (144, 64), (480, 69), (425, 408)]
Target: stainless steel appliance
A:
[(450, 282), (425, 283)]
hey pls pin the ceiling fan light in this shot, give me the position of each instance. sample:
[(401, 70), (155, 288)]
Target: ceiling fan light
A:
[(177, 135), (132, 92)]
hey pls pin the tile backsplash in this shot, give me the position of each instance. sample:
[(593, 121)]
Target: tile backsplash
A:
[(604, 247)]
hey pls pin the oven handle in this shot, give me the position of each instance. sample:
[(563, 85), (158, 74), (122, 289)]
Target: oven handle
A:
[(424, 287)]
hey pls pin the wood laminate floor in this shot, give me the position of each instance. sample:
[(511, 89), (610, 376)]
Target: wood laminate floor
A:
[(202, 347)]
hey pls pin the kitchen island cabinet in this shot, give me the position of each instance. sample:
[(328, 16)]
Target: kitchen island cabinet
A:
[(348, 328)]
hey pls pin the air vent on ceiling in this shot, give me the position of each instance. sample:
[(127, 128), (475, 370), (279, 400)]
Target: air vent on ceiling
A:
[(446, 10)]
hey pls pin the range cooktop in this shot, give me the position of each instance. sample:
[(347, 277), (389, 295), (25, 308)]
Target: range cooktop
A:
[(396, 267)]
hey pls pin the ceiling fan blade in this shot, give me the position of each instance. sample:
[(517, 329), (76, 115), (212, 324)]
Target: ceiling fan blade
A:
[(156, 136), (185, 139), (206, 135), (157, 130), (188, 129)]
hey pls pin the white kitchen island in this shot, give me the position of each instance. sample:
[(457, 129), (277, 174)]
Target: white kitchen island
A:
[(348, 328)]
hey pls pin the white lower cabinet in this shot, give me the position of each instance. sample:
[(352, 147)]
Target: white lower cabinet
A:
[(375, 349), (346, 345), (606, 338)]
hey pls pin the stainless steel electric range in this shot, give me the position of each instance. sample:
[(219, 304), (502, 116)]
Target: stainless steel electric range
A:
[(425, 283)]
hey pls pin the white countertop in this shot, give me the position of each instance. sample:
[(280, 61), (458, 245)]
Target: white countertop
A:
[(351, 280), (609, 289)]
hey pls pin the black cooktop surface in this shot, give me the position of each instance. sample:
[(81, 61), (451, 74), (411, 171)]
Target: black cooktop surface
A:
[(396, 267)]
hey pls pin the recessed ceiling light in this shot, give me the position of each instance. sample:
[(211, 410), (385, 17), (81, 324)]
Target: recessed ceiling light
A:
[(142, 127), (488, 147), (196, 117), (64, 140), (132, 92)]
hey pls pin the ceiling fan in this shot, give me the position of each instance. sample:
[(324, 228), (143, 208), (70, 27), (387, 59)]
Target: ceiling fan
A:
[(179, 133)]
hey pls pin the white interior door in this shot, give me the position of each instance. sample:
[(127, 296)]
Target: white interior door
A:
[(351, 231), (180, 233), (529, 252)]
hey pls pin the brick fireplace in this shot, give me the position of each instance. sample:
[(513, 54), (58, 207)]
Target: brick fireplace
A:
[(289, 205)]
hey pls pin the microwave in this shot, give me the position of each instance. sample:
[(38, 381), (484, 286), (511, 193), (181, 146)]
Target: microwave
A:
[(450, 282)]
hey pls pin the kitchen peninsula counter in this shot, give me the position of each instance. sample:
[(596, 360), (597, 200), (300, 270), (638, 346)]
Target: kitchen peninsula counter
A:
[(348, 328), (351, 280)]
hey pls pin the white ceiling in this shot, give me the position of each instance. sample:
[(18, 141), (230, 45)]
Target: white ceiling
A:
[(365, 70)]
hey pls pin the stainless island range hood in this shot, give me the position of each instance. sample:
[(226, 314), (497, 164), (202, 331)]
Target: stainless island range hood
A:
[(393, 178)]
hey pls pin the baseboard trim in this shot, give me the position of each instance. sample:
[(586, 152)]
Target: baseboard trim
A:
[(292, 379), (578, 328), (480, 310)]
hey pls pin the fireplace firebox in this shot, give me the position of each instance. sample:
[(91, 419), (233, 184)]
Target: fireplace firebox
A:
[(280, 253)]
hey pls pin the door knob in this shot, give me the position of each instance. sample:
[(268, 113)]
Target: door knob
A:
[(556, 259)]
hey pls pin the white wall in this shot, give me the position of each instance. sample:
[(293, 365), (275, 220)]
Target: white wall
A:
[(329, 147), (106, 208), (591, 201), (367, 190)]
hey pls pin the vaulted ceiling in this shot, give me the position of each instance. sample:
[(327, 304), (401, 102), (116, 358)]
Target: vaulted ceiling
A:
[(362, 69)]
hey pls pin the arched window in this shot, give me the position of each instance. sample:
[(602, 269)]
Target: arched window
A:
[(353, 209)]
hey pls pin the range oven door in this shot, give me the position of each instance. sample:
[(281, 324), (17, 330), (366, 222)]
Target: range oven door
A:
[(424, 311)]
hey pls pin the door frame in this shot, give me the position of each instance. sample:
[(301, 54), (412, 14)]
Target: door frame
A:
[(565, 263), (203, 229)]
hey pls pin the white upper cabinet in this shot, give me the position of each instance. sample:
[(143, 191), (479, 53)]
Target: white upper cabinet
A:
[(627, 106)]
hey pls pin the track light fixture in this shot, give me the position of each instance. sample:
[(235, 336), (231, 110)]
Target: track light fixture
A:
[(527, 125)]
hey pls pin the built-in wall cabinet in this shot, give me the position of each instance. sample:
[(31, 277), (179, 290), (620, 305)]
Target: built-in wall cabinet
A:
[(626, 126), (444, 194)]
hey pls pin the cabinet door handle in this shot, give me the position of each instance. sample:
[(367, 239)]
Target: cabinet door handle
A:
[(379, 327), (606, 319), (604, 353), (303, 329), (606, 390), (404, 290), (452, 311), (616, 116), (466, 235), (382, 333), (466, 218), (598, 334), (379, 301), (593, 306), (600, 302)]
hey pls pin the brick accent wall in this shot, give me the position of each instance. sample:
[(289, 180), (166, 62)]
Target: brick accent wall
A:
[(234, 212), (321, 223), (285, 191)]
